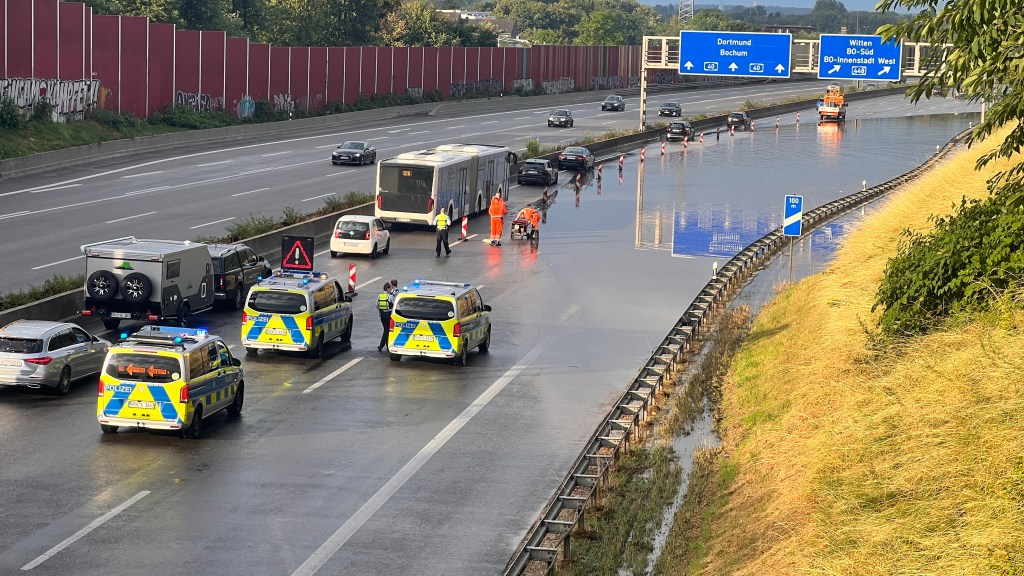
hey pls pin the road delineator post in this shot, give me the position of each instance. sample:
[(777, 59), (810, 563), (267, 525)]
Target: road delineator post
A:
[(465, 228), (701, 137), (599, 167), (732, 130), (642, 151), (352, 280), (662, 148), (777, 122)]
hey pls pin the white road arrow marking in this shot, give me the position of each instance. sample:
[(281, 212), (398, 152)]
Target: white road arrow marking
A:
[(884, 70), (733, 66)]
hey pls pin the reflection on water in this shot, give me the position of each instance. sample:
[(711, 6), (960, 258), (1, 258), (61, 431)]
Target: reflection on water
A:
[(721, 196)]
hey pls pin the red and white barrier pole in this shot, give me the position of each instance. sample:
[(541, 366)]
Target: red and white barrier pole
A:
[(642, 150), (732, 130), (751, 125), (465, 227), (776, 122), (685, 140), (797, 117), (662, 148), (578, 177), (599, 167), (622, 159), (545, 194), (701, 137), (352, 279)]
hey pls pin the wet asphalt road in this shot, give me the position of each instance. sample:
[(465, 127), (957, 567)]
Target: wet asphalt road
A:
[(356, 465)]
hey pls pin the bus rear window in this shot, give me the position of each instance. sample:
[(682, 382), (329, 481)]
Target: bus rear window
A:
[(406, 180), (415, 308), (277, 302), (148, 368)]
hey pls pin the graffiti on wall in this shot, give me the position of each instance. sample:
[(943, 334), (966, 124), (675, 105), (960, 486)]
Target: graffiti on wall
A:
[(523, 85), (483, 87), (560, 86), (245, 107), (70, 98), (634, 81), (416, 92), (283, 103), (195, 100), (607, 83)]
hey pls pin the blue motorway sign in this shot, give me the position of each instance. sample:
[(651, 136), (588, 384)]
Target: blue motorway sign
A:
[(794, 218), (754, 54), (852, 57)]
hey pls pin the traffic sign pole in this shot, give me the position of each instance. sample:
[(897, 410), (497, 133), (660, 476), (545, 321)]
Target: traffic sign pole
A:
[(792, 224)]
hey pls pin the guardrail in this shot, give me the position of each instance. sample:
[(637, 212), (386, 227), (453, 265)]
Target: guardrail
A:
[(549, 539)]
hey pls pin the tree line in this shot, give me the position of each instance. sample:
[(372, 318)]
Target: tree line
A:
[(417, 22)]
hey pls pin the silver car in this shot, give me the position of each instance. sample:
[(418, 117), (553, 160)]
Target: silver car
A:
[(41, 354)]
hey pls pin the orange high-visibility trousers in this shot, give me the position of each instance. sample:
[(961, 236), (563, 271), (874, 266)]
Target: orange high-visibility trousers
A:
[(497, 224)]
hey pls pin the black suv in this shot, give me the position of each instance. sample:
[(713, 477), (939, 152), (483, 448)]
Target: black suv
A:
[(236, 267), (679, 130), (670, 109), (537, 171), (739, 120)]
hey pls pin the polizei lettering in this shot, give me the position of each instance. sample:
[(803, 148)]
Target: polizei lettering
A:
[(731, 42)]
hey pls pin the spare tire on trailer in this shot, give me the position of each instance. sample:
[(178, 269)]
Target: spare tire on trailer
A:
[(136, 288), (101, 285)]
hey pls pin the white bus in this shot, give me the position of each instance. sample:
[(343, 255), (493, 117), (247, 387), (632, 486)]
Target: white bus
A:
[(414, 186)]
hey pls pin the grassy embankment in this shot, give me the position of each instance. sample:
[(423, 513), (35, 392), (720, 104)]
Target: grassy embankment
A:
[(37, 137), (844, 456)]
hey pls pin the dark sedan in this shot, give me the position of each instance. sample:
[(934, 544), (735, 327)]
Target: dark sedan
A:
[(560, 117), (354, 152), (670, 109), (575, 158), (537, 171)]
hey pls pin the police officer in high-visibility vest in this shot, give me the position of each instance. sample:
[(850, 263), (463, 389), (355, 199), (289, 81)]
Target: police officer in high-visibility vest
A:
[(442, 221), (385, 302)]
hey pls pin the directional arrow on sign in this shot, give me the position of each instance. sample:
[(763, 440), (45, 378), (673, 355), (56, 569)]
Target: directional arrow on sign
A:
[(688, 65), (834, 69), (780, 68), (885, 70), (733, 66)]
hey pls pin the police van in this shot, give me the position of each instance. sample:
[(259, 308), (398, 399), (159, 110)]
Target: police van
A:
[(439, 320), (168, 378), (296, 311)]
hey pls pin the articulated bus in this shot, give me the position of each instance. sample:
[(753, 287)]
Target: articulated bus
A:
[(414, 186)]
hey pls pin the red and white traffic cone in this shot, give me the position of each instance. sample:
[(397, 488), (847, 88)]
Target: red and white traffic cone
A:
[(701, 137), (642, 150), (662, 148), (352, 279), (465, 228)]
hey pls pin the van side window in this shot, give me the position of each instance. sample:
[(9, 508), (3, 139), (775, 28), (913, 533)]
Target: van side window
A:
[(225, 355), (198, 363), (173, 268), (477, 305), (213, 356), (465, 306), (324, 297)]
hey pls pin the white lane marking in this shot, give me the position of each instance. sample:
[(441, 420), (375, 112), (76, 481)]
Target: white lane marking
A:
[(143, 174), (522, 118), (137, 192), (211, 223), (320, 196), (397, 131), (611, 122), (481, 286), (449, 128), (367, 510), (327, 146), (330, 376), (13, 214), (128, 218), (491, 122), (58, 262), (77, 535), (55, 188), (420, 132), (275, 153), (251, 192), (339, 173), (215, 163), (368, 282)]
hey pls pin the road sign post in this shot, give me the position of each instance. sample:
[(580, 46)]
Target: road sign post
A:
[(749, 54), (792, 224), (859, 57)]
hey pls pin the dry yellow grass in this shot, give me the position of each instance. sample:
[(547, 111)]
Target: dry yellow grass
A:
[(852, 462)]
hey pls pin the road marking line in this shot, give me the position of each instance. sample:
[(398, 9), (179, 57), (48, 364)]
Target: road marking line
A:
[(368, 282), (397, 131), (215, 163), (367, 510), (480, 286), (420, 132), (77, 535), (251, 192), (330, 376), (449, 128), (127, 218), (55, 188), (59, 261), (211, 223), (275, 154), (143, 174), (328, 146), (137, 192), (320, 196), (522, 118), (13, 214)]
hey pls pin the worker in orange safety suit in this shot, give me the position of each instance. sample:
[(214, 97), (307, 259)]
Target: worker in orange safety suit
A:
[(497, 212)]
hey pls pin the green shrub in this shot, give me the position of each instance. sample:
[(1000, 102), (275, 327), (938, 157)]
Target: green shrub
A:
[(55, 285), (291, 216), (10, 116), (264, 112), (352, 198), (968, 261), (533, 147), (43, 110), (181, 116), (254, 225), (113, 120)]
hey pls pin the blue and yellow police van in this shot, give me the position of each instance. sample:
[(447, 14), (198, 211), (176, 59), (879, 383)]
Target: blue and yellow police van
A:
[(168, 378), (296, 311), (439, 320)]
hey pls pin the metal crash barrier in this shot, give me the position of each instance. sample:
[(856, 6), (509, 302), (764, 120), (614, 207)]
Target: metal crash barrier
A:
[(549, 539)]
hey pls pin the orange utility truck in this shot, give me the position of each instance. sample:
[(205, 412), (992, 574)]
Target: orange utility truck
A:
[(832, 108)]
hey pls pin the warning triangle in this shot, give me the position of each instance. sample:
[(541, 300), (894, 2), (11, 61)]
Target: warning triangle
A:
[(297, 258)]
